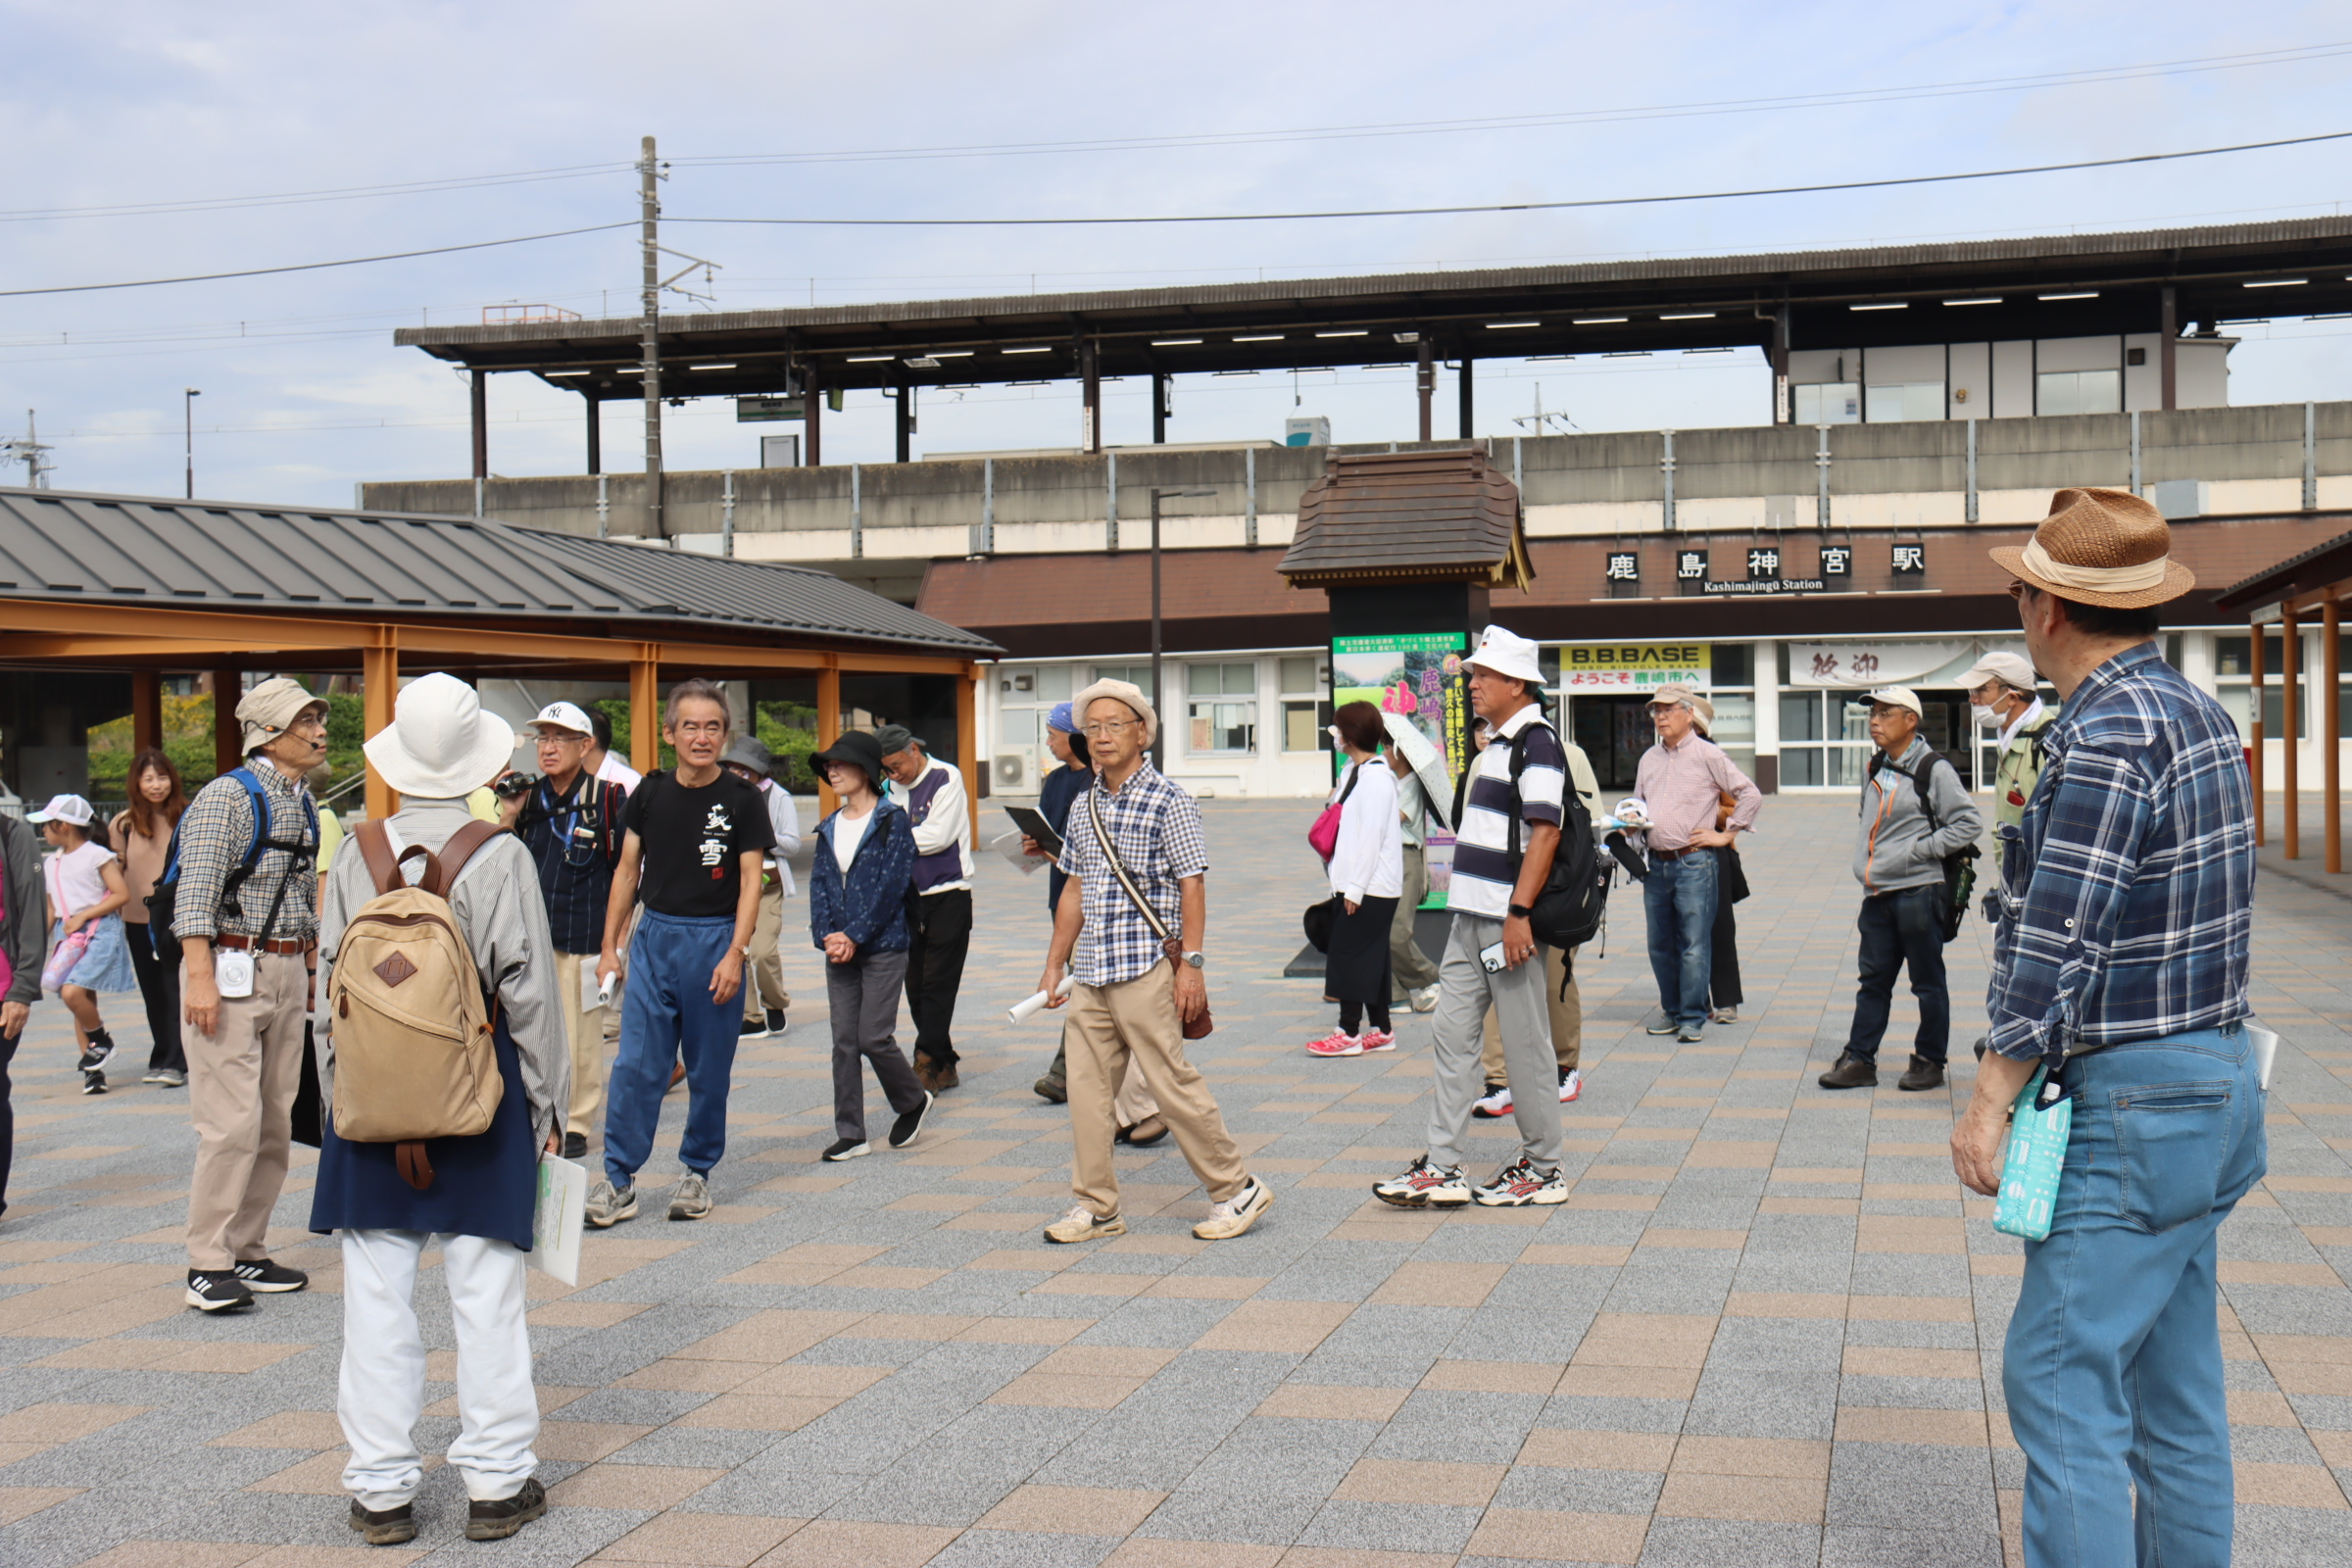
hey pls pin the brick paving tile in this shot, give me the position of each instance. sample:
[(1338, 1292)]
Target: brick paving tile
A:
[(1760, 1303)]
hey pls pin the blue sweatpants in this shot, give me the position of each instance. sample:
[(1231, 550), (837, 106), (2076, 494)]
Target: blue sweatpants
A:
[(666, 1013)]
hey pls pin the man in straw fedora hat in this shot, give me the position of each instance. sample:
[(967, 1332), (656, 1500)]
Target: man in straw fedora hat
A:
[(2120, 961)]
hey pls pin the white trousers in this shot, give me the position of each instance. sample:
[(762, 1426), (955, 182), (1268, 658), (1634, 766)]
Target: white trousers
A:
[(382, 1393)]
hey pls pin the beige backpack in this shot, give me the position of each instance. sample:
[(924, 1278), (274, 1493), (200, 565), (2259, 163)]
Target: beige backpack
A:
[(415, 1050)]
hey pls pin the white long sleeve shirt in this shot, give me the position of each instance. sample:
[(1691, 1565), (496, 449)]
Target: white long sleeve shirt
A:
[(943, 829), (1369, 860), (783, 816)]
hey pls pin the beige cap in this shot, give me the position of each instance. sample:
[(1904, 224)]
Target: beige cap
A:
[(1126, 692), (1678, 694), (1899, 697), (1703, 714), (2010, 669), (271, 709)]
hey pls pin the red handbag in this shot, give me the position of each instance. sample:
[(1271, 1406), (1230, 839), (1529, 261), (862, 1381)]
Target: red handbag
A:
[(1324, 837)]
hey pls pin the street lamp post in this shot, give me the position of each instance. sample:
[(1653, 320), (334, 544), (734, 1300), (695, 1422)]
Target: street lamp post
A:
[(1160, 740), (187, 404)]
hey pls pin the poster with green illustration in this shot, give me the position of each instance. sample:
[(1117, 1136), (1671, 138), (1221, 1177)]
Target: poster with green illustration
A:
[(1419, 675)]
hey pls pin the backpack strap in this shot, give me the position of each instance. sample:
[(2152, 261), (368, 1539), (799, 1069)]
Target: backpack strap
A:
[(458, 850), (375, 847)]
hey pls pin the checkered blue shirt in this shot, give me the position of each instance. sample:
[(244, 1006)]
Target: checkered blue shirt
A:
[(2127, 913), (1157, 828)]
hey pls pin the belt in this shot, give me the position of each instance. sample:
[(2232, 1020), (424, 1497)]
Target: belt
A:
[(277, 945), (1675, 855)]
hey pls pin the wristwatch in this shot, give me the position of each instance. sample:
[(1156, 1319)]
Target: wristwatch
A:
[(1521, 912), (1195, 960)]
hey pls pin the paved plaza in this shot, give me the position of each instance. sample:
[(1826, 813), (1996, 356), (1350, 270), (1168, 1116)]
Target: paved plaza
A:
[(1764, 1330)]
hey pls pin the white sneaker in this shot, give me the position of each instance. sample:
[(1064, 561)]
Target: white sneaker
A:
[(1237, 1213), (1520, 1184), (1424, 999), (1572, 1084), (1425, 1186), (1496, 1102)]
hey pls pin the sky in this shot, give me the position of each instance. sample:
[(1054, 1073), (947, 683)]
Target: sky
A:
[(155, 140)]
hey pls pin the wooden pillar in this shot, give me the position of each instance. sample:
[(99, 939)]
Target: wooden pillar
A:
[(146, 711), (645, 708), (227, 733), (2254, 756), (2331, 684), (828, 727), (967, 741), (379, 689), (2290, 725)]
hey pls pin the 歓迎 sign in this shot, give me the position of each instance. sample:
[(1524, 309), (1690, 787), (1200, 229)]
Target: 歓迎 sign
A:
[(1868, 664), (1635, 667)]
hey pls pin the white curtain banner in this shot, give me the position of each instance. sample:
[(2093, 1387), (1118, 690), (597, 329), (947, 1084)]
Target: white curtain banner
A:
[(1864, 664)]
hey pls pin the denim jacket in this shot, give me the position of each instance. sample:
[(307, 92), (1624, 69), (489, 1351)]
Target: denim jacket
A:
[(869, 905)]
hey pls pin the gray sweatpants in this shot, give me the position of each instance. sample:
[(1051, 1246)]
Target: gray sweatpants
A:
[(863, 996), (1464, 993)]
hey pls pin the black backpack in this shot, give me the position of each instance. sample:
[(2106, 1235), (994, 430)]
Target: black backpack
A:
[(1959, 867), (1573, 902)]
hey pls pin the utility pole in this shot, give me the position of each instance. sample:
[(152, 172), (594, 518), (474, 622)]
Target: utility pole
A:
[(29, 451), (650, 201)]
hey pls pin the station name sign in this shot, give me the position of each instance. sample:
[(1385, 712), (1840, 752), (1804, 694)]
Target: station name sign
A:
[(1749, 587)]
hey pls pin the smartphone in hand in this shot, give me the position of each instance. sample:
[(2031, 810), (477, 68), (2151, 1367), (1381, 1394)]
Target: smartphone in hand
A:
[(1493, 959)]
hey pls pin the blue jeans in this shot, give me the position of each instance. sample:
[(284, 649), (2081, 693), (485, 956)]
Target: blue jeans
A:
[(666, 1013), (2113, 1366), (1680, 900), (1899, 928)]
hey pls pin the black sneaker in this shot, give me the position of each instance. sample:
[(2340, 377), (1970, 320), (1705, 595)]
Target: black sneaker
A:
[(753, 1029), (218, 1289), (270, 1277), (841, 1148), (93, 1081), (101, 1046), (575, 1146), (903, 1130), (384, 1526), (775, 1022), (495, 1521)]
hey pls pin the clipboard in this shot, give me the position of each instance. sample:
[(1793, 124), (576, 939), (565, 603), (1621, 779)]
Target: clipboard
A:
[(1032, 822), (557, 1219)]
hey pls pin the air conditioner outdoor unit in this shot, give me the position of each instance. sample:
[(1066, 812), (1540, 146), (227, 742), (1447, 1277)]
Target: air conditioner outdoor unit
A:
[(1012, 771)]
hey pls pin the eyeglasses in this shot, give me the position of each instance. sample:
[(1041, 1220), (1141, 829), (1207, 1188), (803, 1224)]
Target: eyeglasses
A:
[(1114, 726)]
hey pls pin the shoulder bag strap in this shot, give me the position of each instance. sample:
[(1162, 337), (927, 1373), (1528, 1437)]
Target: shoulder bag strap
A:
[(1118, 868)]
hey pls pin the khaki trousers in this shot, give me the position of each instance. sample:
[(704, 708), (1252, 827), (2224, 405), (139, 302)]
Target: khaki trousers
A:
[(1567, 1021), (763, 977), (1135, 1022), (241, 1085), (584, 1033), (1409, 968)]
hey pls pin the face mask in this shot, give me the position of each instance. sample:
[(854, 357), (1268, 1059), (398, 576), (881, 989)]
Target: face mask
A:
[(1985, 717)]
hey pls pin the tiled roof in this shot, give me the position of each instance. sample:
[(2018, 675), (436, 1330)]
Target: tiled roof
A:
[(1408, 516)]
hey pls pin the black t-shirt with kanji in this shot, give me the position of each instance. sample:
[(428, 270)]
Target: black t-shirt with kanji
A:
[(693, 841)]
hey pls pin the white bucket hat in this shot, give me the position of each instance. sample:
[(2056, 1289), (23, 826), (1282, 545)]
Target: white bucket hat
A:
[(1508, 655), (440, 744)]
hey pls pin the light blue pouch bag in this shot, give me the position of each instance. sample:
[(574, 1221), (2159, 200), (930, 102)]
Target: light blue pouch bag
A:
[(2039, 1127)]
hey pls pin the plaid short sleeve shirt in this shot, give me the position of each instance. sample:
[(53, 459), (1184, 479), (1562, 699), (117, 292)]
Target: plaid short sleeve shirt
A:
[(1155, 827)]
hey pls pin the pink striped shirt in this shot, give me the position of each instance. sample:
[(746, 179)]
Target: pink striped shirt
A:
[(1684, 786)]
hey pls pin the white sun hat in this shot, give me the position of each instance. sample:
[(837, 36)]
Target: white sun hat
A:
[(440, 744)]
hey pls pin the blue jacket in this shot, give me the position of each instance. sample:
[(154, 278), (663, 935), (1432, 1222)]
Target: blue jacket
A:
[(869, 905)]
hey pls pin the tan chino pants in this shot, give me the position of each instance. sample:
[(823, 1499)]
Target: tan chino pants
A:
[(241, 1086), (584, 1034), (1135, 1022), (764, 975), (1567, 1021)]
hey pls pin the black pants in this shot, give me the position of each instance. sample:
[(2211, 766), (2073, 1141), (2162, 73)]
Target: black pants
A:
[(1899, 928), (940, 934), (159, 988), (1723, 970), (8, 1115)]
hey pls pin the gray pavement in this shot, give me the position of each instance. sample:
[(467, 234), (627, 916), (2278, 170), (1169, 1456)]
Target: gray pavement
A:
[(1766, 1328)]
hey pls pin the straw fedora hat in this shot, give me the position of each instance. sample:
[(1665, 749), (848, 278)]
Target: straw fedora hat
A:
[(2100, 547)]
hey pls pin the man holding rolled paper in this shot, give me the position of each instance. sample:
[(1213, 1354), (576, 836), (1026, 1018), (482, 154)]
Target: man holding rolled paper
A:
[(2120, 967)]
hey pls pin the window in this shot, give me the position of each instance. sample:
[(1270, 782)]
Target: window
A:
[(1831, 403), (1304, 713), (1137, 675), (1223, 709), (1906, 401), (2078, 392), (1054, 683)]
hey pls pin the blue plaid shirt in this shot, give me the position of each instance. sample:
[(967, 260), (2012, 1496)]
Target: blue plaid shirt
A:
[(2127, 913), (1155, 827)]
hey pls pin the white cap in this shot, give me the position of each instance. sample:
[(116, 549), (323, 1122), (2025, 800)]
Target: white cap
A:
[(565, 717), (1508, 655), (1899, 697), (63, 808), (2010, 669), (1632, 809)]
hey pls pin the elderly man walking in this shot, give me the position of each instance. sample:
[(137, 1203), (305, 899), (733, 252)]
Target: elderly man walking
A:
[(940, 918), (2121, 965), (1914, 811), (1683, 780)]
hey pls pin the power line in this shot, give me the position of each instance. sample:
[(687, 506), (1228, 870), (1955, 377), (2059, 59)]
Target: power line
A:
[(1509, 206), (210, 203), (312, 266)]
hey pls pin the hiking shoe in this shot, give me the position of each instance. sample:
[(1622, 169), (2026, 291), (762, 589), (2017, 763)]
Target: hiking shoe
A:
[(1496, 1102), (1237, 1213), (691, 1197), (575, 1146), (93, 1082), (1338, 1043), (1378, 1040), (902, 1131), (753, 1029), (1690, 1035), (218, 1289), (1424, 999), (1425, 1186), (1664, 1026), (1080, 1224), (1852, 1072), (1723, 1015), (608, 1205), (264, 1277), (384, 1526), (776, 1023), (841, 1148), (1572, 1084), (1520, 1184), (1053, 1089), (495, 1521), (101, 1046), (1921, 1074), (937, 1076)]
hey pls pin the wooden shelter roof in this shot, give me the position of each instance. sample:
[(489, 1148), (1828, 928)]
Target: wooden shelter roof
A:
[(1409, 517)]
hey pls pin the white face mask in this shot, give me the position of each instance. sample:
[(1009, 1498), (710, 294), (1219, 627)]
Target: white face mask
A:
[(1986, 718)]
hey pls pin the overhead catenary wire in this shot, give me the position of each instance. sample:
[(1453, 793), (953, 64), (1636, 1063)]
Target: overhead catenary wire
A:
[(312, 267)]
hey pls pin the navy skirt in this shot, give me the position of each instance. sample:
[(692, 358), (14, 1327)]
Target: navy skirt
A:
[(486, 1184)]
